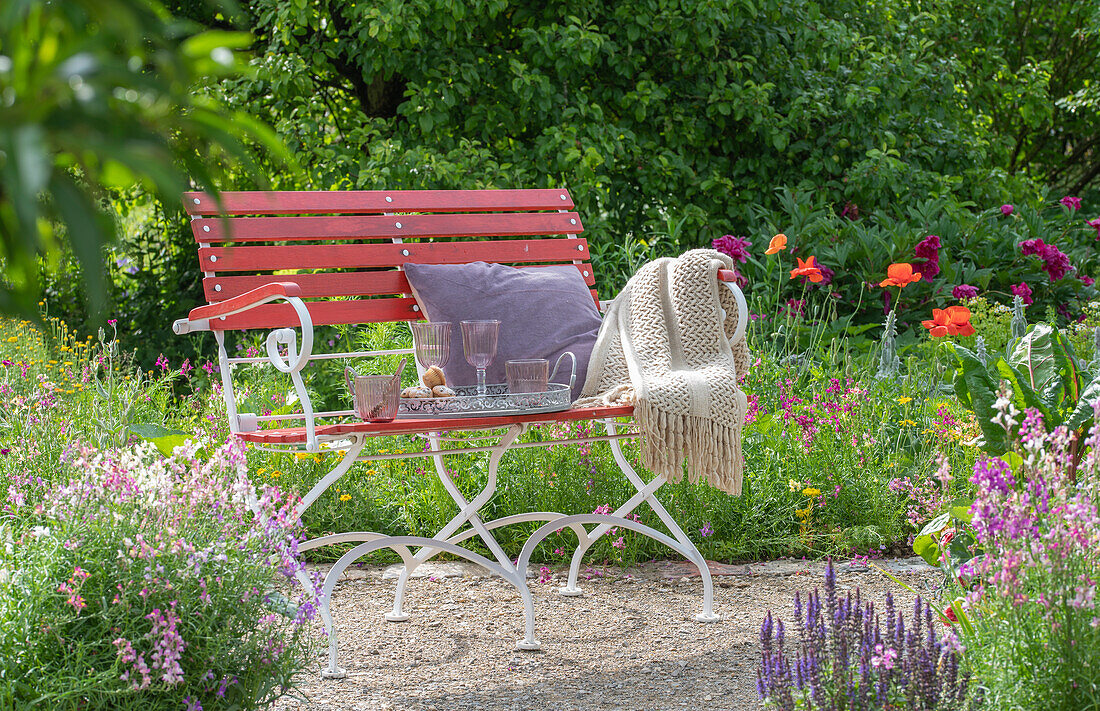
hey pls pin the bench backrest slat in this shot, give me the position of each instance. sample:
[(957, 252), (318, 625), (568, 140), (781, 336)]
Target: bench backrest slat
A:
[(330, 284), (352, 227), (374, 201), (352, 256), (345, 248)]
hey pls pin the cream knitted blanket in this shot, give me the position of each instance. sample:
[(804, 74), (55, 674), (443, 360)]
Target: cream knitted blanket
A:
[(664, 347)]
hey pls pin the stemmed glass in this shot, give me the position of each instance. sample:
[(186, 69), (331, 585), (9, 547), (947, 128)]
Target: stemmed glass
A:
[(479, 343), (432, 342)]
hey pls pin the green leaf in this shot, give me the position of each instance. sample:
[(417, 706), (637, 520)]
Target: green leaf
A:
[(977, 390), (1023, 395), (937, 524), (163, 438), (1034, 356), (960, 509), (1084, 411), (85, 234), (926, 547), (1013, 460)]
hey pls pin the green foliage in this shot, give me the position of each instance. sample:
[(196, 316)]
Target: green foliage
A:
[(99, 97), (1027, 66), (1043, 373), (646, 110)]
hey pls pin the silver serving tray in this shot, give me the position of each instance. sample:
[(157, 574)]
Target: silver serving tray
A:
[(496, 401)]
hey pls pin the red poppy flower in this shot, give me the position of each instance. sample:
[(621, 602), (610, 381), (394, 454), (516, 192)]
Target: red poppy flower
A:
[(900, 275), (952, 321), (807, 269), (778, 244)]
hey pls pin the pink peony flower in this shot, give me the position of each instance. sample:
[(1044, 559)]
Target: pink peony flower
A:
[(1055, 263), (929, 249), (1007, 210), (964, 291), (1087, 280), (736, 247), (1073, 203), (1095, 223), (1023, 291)]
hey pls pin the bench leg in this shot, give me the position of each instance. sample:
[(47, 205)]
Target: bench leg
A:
[(401, 545), (688, 550), (645, 493), (467, 512)]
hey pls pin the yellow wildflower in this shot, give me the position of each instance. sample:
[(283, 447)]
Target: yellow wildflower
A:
[(345, 497), (793, 485), (811, 491), (904, 400)]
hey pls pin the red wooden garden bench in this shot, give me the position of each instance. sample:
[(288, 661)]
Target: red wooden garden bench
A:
[(285, 262)]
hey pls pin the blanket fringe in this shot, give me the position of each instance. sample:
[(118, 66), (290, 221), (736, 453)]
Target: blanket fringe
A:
[(712, 450)]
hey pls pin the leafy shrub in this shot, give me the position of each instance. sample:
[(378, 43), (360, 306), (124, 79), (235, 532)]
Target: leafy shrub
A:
[(149, 582), (843, 661)]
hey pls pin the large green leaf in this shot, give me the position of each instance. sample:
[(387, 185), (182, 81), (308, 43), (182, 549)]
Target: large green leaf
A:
[(1034, 356), (977, 389), (1083, 413), (1023, 395), (164, 438)]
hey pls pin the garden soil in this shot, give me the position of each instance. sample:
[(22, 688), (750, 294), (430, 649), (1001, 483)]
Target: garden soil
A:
[(628, 643)]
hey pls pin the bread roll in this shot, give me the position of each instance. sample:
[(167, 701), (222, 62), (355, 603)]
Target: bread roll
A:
[(434, 376)]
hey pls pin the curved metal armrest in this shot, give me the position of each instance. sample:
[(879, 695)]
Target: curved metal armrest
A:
[(729, 278), (251, 299)]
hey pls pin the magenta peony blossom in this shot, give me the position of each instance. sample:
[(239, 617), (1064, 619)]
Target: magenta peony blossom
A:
[(1073, 203), (1023, 291), (1095, 223), (928, 269), (827, 274), (736, 247), (1087, 280), (964, 291), (1007, 210), (929, 249), (1055, 263)]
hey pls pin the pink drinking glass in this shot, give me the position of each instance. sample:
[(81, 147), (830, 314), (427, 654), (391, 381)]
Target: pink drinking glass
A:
[(432, 342), (479, 343)]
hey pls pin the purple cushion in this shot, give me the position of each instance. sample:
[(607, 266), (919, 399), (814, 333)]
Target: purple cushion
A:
[(543, 312)]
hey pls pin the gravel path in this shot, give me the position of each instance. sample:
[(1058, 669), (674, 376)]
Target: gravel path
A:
[(628, 643)]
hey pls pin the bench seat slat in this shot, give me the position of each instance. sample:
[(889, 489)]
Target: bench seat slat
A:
[(374, 201), (349, 256), (291, 435), (348, 227), (329, 284)]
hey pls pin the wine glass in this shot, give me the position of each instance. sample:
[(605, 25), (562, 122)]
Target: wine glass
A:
[(432, 342), (479, 343)]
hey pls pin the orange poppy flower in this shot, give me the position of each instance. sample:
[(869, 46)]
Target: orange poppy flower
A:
[(778, 244), (952, 321), (808, 270), (900, 275)]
